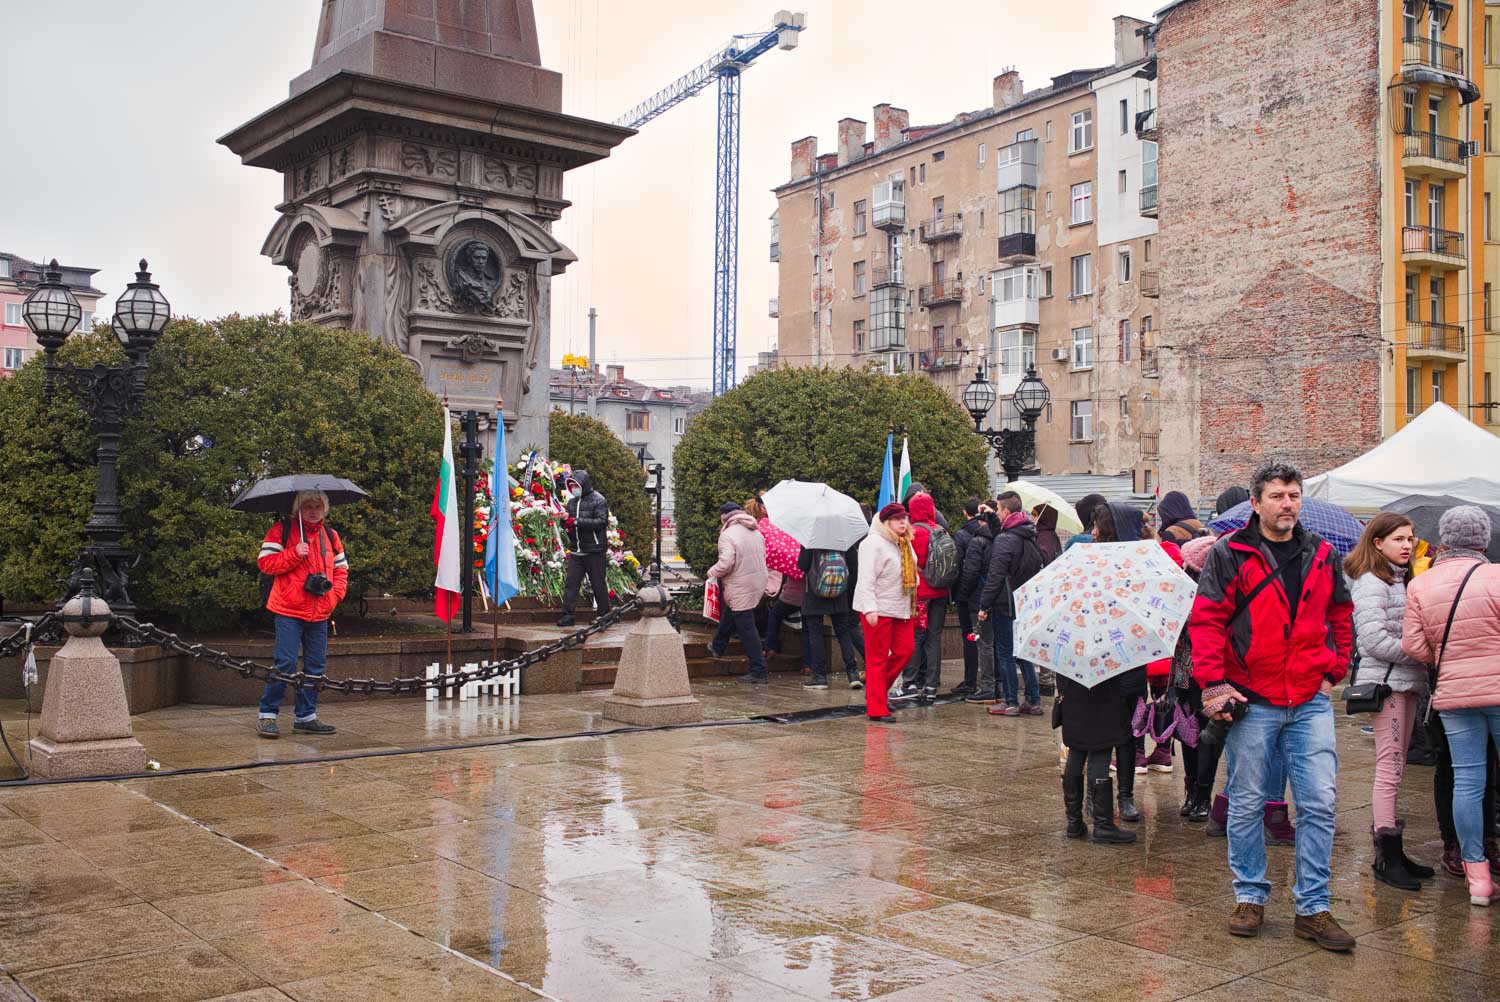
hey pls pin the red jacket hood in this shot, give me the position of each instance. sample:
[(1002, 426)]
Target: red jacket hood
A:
[(922, 508)]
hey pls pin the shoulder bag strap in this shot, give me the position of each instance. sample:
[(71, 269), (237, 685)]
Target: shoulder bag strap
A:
[(1265, 582), (1443, 647)]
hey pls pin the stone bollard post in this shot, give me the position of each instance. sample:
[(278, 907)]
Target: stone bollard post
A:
[(651, 684), (85, 728)]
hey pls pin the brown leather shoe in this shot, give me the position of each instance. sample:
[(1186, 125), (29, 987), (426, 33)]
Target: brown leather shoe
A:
[(1324, 930), (1246, 919)]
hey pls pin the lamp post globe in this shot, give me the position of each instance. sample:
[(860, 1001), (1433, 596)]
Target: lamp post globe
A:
[(1032, 396), (979, 396), (142, 312), (51, 310)]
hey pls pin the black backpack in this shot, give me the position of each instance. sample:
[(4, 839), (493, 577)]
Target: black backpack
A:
[(1028, 565)]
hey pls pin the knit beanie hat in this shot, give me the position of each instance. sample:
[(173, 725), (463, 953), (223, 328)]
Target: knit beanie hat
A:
[(1465, 528), (1195, 553), (894, 510)]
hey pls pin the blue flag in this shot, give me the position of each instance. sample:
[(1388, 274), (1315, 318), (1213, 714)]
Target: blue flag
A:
[(887, 476), (500, 549)]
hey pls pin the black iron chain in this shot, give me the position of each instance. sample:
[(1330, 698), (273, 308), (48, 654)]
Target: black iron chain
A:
[(246, 668), (17, 642)]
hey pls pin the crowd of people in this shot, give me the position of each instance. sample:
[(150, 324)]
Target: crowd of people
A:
[(1279, 620)]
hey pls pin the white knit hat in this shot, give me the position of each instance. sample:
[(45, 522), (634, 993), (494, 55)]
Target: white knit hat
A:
[(1466, 527)]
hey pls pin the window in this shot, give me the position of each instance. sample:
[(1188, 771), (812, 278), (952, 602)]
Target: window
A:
[(1411, 392), (1489, 40), (13, 316), (859, 278), (859, 335), (1408, 111), (1124, 340), (637, 420), (4, 267), (1148, 165), (1487, 301), (1083, 280), (1487, 230), (979, 286), (1049, 203), (937, 157), (1083, 421), (1018, 216), (939, 271), (1409, 19), (887, 317), (1025, 135), (937, 337), (1124, 406), (14, 358), (1411, 203), (937, 206), (817, 263), (981, 154), (1413, 307), (1435, 300), (87, 323), (828, 200), (1147, 250), (1125, 272), (1083, 347), (1124, 182), (1148, 408), (1488, 146), (1083, 203), (1049, 130), (913, 177), (1014, 285), (1046, 290), (1435, 206), (1082, 135), (1434, 114), (1437, 385), (1017, 351), (1487, 398), (1124, 116), (922, 173), (861, 218), (679, 424)]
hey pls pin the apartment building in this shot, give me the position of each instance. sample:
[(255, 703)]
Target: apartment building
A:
[(1006, 237), (1487, 341), (18, 277)]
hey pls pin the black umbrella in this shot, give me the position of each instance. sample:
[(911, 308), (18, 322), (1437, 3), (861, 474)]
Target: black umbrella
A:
[(276, 494), (1426, 510)]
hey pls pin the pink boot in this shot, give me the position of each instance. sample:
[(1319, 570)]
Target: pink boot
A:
[(1279, 827), (1481, 888), (1160, 759)]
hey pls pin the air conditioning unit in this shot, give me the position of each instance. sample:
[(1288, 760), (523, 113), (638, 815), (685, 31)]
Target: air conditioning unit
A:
[(1059, 354)]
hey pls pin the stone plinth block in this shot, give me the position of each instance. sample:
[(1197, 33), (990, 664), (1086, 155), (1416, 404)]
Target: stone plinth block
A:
[(85, 728), (651, 685)]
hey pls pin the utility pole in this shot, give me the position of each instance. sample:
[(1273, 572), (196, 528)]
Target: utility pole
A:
[(593, 366)]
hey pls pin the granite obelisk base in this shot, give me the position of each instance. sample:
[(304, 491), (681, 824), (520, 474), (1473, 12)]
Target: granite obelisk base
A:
[(85, 729), (651, 684)]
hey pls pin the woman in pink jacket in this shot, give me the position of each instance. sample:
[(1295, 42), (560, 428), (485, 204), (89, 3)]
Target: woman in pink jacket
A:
[(1463, 589)]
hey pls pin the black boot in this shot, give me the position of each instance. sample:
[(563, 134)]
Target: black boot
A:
[(1104, 815), (1073, 806), (1128, 810), (1189, 797), (1412, 867), (1389, 866)]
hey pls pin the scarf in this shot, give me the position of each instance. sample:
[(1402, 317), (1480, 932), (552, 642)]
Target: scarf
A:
[(908, 561)]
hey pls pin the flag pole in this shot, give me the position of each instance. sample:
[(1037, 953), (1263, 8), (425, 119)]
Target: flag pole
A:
[(500, 463)]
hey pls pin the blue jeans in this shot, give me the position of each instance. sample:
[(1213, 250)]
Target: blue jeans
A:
[(1302, 737), (312, 638), (1006, 663), (1470, 732)]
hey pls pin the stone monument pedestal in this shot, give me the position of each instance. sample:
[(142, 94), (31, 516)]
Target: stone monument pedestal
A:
[(651, 684), (85, 728)]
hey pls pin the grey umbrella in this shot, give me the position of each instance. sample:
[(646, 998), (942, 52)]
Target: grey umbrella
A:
[(276, 494), (1426, 510)]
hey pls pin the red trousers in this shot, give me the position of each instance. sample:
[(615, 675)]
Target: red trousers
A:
[(888, 647)]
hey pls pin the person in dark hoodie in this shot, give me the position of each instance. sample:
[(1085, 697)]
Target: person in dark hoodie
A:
[(587, 524), (1085, 508), (1046, 532), (1231, 498), (1014, 559), (1179, 522), (961, 591)]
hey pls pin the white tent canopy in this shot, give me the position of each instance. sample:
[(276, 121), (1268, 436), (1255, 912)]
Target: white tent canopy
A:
[(1436, 453)]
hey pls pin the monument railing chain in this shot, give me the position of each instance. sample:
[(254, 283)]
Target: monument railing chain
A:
[(247, 668), (27, 634)]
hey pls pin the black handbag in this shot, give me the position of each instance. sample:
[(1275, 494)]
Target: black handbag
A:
[(1367, 697)]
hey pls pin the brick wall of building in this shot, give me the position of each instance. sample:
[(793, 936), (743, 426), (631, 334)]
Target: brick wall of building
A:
[(1271, 286)]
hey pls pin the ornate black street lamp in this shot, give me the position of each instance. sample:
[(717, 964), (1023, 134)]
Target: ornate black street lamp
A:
[(109, 394), (1015, 447)]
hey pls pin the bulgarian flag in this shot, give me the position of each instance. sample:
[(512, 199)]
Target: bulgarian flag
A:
[(446, 549), (903, 478)]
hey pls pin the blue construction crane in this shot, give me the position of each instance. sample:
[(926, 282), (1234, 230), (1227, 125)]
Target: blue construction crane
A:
[(725, 65)]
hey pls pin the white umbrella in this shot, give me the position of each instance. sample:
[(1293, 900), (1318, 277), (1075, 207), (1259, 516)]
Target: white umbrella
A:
[(815, 515), (1101, 609), (1033, 495)]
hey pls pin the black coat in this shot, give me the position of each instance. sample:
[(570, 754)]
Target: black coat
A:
[(590, 530), (817, 605), (1014, 556), (1095, 719), (973, 541)]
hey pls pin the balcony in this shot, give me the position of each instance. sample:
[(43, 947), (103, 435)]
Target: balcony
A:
[(1016, 165), (1016, 248), (941, 228), (1148, 201), (882, 275), (948, 290), (1151, 283), (1417, 51), (1433, 155), (1008, 313), (1150, 446), (1145, 124), (775, 251), (775, 307), (1151, 362), (1442, 250), (942, 357), (1425, 339)]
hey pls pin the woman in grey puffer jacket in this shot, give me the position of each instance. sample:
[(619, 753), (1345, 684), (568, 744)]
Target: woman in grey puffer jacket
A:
[(1378, 569)]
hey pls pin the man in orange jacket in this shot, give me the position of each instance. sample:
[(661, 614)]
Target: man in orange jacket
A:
[(310, 575)]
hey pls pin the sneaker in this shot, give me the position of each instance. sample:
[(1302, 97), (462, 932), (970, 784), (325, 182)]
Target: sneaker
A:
[(962, 689), (982, 699), (856, 683), (930, 693), (752, 679), (1246, 919), (1031, 709), (1140, 763), (1160, 759), (908, 691), (267, 727), (1323, 930), (1009, 710), (816, 682), (313, 726)]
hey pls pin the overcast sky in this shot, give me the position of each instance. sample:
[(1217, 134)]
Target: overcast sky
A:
[(108, 149)]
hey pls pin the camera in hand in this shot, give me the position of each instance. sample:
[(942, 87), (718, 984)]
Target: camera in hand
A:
[(1217, 730), (317, 585)]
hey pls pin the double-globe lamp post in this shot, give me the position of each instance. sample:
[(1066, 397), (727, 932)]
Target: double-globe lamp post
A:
[(1015, 447), (109, 394)]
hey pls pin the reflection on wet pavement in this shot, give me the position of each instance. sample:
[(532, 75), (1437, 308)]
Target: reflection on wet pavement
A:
[(828, 860)]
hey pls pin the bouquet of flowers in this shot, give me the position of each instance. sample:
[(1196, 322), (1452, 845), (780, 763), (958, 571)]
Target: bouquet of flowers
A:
[(537, 500)]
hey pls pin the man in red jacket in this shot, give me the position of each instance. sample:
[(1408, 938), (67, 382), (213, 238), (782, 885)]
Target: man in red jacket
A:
[(310, 575), (1271, 630)]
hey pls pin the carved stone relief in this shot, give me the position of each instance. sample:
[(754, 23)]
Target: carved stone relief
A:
[(315, 283), (514, 176), (432, 162)]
